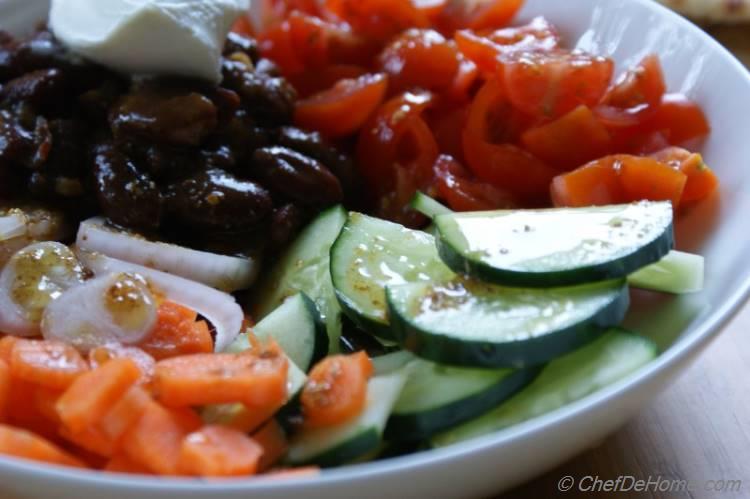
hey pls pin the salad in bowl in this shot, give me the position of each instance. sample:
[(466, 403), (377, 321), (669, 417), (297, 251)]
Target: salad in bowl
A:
[(264, 241)]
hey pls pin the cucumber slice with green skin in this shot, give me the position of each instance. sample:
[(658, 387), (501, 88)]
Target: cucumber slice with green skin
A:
[(297, 328), (677, 273), (427, 206), (607, 360), (354, 439), (556, 247), (304, 266), (369, 255), (437, 397), (473, 324), (391, 362)]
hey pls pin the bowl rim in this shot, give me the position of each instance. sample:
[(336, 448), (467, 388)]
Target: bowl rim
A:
[(702, 333)]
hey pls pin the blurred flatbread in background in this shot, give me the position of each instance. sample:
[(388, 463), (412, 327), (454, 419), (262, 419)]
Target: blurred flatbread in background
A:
[(724, 11)]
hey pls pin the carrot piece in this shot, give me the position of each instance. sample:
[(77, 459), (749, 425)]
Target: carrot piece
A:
[(24, 444), (92, 394), (216, 451), (92, 439), (6, 347), (177, 333), (186, 417), (645, 178), (204, 379), (45, 402), (22, 410), (559, 143), (155, 440), (5, 382), (594, 184), (243, 418), (145, 362), (120, 463), (336, 390), (125, 413), (52, 364), (272, 438)]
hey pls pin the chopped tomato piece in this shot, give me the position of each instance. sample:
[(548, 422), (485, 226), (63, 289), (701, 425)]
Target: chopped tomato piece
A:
[(701, 181), (466, 78), (216, 451), (272, 439), (21, 443), (478, 14), (318, 80), (447, 126), (635, 96), (243, 26), (550, 84), (646, 178), (570, 141), (463, 193), (378, 19), (202, 379), (344, 108), (679, 119), (177, 333), (276, 44), (92, 394), (5, 382), (336, 390), (420, 58), (595, 184), (46, 363), (430, 9), (155, 441)]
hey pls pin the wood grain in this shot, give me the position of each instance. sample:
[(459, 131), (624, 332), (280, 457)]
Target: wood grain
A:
[(698, 429)]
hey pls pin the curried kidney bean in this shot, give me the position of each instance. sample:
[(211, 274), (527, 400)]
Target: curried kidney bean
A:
[(38, 87), (164, 115), (297, 176), (286, 222), (239, 43), (269, 99), (217, 201), (126, 195)]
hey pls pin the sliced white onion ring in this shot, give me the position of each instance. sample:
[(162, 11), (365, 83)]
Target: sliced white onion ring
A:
[(12, 225), (227, 273), (218, 307), (34, 277), (117, 308)]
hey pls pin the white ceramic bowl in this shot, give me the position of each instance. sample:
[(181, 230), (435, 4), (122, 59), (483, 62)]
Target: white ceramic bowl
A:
[(626, 30)]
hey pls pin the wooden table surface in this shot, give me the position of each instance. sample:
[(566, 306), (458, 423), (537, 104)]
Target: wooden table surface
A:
[(698, 429)]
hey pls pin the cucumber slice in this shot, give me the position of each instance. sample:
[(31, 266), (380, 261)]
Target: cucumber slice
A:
[(610, 358), (354, 439), (371, 253), (677, 273), (437, 397), (305, 267), (297, 328), (473, 324), (391, 362), (427, 206), (556, 247)]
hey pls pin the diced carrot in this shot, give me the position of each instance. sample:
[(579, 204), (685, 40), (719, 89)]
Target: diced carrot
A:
[(155, 441), (293, 473), (204, 379), (91, 439), (5, 382), (336, 390), (186, 417), (594, 184), (6, 347), (45, 401), (125, 413), (21, 443), (177, 333), (272, 438), (52, 364), (120, 463), (21, 408), (645, 178), (92, 394), (146, 362), (216, 451)]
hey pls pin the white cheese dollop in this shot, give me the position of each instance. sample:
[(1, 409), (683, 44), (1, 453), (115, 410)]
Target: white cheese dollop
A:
[(174, 37)]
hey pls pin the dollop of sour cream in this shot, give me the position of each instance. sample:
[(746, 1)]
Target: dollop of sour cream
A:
[(172, 37)]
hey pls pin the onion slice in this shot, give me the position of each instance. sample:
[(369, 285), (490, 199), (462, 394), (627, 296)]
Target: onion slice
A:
[(227, 273), (110, 309), (12, 225), (218, 307)]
